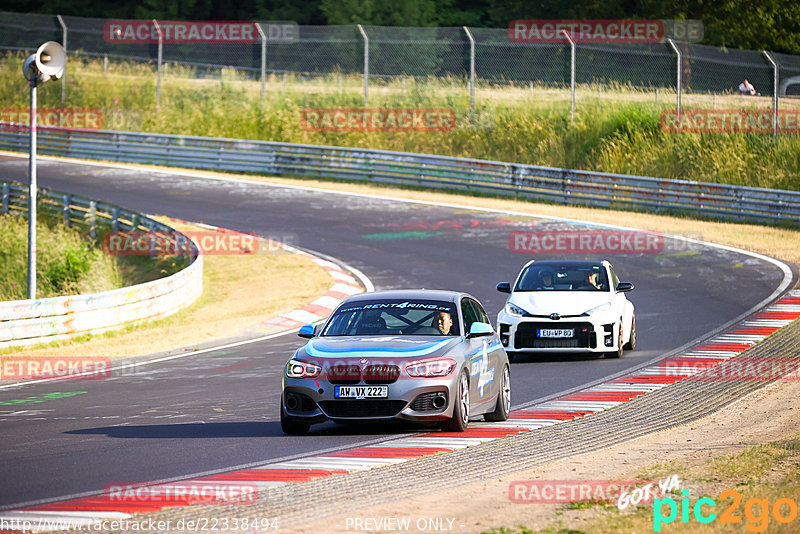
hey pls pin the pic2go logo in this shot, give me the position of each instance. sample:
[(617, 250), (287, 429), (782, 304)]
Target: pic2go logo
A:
[(756, 511)]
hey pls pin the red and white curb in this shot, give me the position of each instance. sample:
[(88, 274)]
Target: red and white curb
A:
[(345, 285), (567, 408)]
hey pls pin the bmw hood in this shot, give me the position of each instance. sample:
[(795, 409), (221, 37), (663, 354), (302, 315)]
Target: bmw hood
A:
[(372, 347), (560, 302)]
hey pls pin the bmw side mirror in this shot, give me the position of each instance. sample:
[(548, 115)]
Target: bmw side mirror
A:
[(479, 330), (623, 287), (504, 287), (307, 331)]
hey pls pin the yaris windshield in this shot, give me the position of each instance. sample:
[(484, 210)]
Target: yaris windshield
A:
[(563, 278)]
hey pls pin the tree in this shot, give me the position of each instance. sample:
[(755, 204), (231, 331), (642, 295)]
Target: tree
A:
[(380, 12)]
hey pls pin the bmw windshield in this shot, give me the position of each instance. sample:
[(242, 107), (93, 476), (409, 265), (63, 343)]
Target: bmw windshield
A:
[(394, 317)]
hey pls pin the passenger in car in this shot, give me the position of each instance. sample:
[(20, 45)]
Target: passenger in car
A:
[(372, 323)]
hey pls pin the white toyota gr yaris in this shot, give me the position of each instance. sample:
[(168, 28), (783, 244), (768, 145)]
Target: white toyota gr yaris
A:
[(567, 306)]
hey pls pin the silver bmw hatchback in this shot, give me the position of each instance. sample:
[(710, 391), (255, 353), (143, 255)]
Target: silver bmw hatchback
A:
[(419, 355)]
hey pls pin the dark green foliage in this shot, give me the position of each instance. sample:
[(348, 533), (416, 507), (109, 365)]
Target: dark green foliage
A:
[(63, 273)]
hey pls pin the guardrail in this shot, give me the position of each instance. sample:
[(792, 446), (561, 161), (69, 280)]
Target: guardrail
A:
[(596, 189), (27, 322)]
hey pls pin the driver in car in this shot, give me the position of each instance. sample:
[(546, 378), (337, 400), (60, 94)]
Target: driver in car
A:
[(592, 281), (443, 322)]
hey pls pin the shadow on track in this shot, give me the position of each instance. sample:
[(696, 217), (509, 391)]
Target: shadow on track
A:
[(244, 429), (542, 357), (249, 429)]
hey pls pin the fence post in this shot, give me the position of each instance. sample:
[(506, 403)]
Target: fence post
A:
[(679, 64), (774, 92), (366, 63), (571, 76), (5, 197), (93, 219), (66, 210), (152, 249), (115, 219), (263, 58), (63, 76), (160, 46), (471, 70)]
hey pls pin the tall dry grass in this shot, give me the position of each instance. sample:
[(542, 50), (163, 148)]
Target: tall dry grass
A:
[(616, 129)]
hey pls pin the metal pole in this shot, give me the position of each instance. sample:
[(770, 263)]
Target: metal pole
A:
[(32, 199), (160, 46), (64, 44), (571, 76), (774, 92), (680, 62), (471, 70), (263, 59), (366, 63)]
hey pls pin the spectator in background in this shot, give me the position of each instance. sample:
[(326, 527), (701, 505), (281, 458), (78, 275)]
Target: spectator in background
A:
[(746, 88)]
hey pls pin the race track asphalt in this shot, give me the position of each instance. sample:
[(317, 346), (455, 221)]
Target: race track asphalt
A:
[(219, 409)]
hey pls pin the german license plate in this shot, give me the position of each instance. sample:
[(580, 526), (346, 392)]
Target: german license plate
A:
[(555, 332), (361, 392)]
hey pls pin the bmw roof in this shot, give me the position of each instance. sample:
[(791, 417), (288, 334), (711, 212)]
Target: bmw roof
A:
[(426, 294)]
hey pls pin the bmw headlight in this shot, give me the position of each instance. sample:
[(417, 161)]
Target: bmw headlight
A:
[(431, 368), (598, 309), (516, 311), (298, 369)]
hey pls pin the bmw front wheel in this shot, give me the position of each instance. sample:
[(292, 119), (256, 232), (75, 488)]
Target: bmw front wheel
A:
[(460, 419), (503, 405)]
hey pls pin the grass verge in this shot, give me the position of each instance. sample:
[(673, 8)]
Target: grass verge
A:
[(755, 490)]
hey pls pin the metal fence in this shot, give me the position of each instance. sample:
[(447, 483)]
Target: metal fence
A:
[(27, 322), (470, 55), (588, 188)]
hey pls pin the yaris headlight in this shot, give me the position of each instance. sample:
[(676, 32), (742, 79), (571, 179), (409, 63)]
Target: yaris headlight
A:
[(598, 309), (516, 311)]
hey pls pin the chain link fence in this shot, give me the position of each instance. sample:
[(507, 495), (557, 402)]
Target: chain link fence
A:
[(378, 54)]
